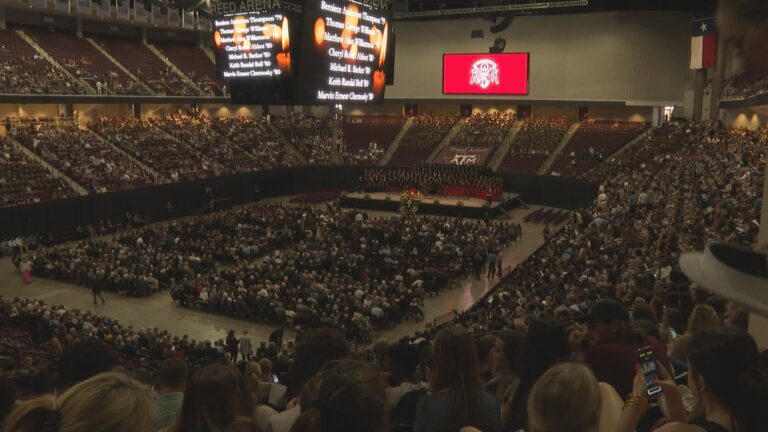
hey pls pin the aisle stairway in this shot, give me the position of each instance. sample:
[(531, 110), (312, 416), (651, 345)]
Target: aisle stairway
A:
[(159, 178), (503, 149), (174, 68), (396, 142), (447, 139), (42, 53), (118, 64), (289, 146), (56, 173), (544, 168)]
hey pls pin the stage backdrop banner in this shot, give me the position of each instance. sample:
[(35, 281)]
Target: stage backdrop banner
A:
[(104, 8), (189, 20), (123, 12), (83, 7), (458, 155)]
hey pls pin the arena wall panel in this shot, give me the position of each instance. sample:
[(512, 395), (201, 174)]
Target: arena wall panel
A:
[(612, 56), (230, 111), (92, 112), (751, 118)]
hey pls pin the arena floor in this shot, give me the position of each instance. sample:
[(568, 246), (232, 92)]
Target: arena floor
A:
[(159, 310)]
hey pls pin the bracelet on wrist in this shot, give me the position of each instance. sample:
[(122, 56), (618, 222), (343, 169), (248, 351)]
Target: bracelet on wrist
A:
[(636, 400)]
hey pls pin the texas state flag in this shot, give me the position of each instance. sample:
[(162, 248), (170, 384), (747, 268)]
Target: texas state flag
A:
[(703, 44)]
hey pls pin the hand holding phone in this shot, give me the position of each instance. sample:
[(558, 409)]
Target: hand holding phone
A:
[(649, 370)]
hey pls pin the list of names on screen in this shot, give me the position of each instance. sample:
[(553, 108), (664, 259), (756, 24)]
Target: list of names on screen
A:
[(252, 45), (348, 58)]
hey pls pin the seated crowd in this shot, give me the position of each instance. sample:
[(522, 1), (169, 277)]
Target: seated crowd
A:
[(24, 181), (348, 271), (203, 139), (592, 142), (444, 179), (744, 85), (171, 158), (255, 135), (484, 130), (311, 135), (33, 75), (421, 139), (144, 260), (552, 349), (540, 135), (366, 138), (532, 145), (83, 157), (81, 369)]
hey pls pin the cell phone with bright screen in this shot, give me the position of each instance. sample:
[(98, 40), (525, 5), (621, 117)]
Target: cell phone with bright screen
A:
[(648, 365)]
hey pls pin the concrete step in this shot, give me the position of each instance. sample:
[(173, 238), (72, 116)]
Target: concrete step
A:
[(396, 142), (56, 173), (447, 139), (44, 54), (560, 146), (119, 65)]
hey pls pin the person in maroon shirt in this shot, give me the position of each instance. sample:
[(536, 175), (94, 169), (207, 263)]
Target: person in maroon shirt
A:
[(612, 354)]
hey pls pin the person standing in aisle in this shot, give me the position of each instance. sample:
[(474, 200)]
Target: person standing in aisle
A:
[(246, 346), (232, 343), (26, 271)]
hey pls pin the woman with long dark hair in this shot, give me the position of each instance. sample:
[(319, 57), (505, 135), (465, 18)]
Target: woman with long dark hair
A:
[(346, 395), (456, 397), (546, 344), (216, 396)]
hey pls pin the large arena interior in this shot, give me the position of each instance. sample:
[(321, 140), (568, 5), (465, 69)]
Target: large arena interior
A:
[(383, 215)]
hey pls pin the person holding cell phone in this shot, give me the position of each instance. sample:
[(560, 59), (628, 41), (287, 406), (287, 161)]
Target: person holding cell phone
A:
[(614, 343), (725, 378)]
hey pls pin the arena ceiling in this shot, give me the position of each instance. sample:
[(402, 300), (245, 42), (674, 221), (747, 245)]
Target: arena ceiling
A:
[(446, 9)]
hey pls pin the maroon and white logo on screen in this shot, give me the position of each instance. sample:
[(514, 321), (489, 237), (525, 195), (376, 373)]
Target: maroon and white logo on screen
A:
[(484, 73)]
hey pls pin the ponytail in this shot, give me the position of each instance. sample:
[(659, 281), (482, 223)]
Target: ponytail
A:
[(749, 412), (38, 414)]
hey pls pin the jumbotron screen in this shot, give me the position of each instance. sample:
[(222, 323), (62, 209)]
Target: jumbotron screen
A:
[(345, 57), (485, 74), (342, 58)]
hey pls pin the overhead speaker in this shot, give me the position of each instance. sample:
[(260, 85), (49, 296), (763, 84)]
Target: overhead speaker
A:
[(503, 24), (498, 46)]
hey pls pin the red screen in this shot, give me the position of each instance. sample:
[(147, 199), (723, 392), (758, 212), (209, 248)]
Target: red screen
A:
[(489, 74)]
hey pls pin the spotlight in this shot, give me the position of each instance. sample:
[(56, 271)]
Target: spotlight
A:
[(498, 46)]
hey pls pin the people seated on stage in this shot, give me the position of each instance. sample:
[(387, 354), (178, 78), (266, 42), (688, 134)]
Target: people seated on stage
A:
[(468, 181)]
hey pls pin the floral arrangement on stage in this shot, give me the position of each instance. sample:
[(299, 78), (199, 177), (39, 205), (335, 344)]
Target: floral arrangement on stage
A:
[(409, 202)]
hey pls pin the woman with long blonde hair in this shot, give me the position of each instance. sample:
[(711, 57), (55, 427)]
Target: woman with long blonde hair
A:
[(108, 402)]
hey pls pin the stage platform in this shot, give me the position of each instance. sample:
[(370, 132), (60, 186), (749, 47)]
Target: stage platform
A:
[(436, 205)]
